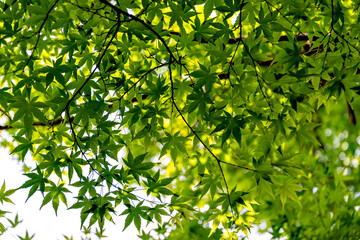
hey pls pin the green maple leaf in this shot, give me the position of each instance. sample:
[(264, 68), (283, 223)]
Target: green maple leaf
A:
[(27, 236), (4, 194), (287, 189)]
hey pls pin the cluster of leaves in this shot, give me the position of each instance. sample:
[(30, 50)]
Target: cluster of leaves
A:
[(213, 103), (10, 224)]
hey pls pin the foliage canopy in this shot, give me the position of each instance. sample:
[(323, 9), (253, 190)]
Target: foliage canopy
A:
[(217, 110)]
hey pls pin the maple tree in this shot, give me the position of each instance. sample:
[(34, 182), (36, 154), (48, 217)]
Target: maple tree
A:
[(246, 109)]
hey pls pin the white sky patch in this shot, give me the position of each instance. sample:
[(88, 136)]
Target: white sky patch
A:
[(44, 223), (213, 14), (130, 11)]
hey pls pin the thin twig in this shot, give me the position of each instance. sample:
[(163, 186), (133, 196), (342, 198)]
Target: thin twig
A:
[(39, 33), (196, 135), (119, 11), (144, 10), (37, 124), (96, 67), (238, 166), (94, 170), (6, 114), (142, 76), (278, 10), (257, 75)]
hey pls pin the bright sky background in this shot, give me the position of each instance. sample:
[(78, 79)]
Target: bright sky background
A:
[(44, 223)]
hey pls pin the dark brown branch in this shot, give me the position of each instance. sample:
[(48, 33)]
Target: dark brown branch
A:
[(135, 83), (301, 37), (352, 117), (94, 170), (283, 38), (5, 113), (196, 135), (39, 124), (119, 11), (144, 10), (39, 33), (238, 166), (6, 127), (278, 10), (97, 67), (92, 10), (257, 75), (305, 51)]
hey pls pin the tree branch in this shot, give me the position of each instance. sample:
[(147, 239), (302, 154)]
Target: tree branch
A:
[(6, 114), (196, 135), (119, 11), (38, 33), (97, 67), (142, 76), (39, 124)]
